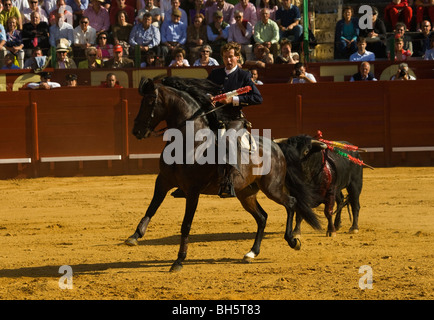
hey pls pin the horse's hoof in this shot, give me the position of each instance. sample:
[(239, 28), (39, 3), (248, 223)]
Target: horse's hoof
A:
[(297, 236), (331, 234), (131, 242), (249, 257), (176, 267), (295, 244), (354, 231)]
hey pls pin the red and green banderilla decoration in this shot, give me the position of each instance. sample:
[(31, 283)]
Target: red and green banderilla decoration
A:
[(331, 145)]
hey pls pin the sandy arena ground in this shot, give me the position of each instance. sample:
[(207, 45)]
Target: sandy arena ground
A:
[(82, 222)]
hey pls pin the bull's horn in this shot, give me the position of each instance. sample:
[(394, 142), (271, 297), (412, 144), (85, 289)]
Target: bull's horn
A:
[(279, 140), (318, 143)]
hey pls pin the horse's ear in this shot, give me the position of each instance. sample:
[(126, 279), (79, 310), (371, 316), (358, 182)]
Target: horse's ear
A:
[(146, 86)]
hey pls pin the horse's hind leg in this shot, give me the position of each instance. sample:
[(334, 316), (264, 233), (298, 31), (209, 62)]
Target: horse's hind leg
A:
[(160, 191), (190, 209), (251, 204)]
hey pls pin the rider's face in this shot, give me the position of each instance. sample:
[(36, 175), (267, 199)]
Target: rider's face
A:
[(230, 59)]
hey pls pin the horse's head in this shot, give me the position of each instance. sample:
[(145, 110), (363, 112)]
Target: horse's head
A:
[(149, 116)]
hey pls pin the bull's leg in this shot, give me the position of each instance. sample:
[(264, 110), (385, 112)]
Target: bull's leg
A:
[(328, 211), (190, 209), (353, 196), (160, 191), (251, 204), (339, 206)]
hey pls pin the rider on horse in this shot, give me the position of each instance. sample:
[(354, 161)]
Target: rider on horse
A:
[(230, 78)]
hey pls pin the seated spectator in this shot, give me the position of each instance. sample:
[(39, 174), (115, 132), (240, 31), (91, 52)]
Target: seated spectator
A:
[(429, 54), (98, 16), (49, 5), (14, 42), (176, 5), (402, 73), (196, 37), (248, 9), (150, 60), (104, 49), (62, 59), (198, 8), (111, 82), (146, 36), (45, 82), (66, 11), (241, 32), (286, 55), (399, 32), (362, 54), (267, 33), (71, 80), (364, 73), (262, 57), (61, 30), (84, 37), (2, 44), (119, 61), (37, 61), (376, 36), (421, 40), (346, 33), (219, 5), (217, 33), (179, 59), (153, 10), (423, 7), (288, 19), (299, 75), (78, 7), (9, 10), (121, 31), (9, 62), (271, 5), (36, 34), (34, 6), (130, 12), (173, 35), (205, 58), (398, 10), (400, 53), (92, 61), (255, 75)]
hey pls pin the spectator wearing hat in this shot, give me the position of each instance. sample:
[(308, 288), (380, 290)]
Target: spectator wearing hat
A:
[(173, 35), (118, 61), (45, 82), (220, 5), (98, 15), (62, 59), (176, 5), (71, 80), (217, 33), (61, 30), (145, 35)]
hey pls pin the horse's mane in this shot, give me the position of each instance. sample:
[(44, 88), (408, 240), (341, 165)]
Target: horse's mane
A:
[(199, 90)]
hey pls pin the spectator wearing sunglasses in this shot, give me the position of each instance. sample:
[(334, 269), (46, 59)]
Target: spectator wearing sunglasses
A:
[(84, 37), (34, 6), (205, 58)]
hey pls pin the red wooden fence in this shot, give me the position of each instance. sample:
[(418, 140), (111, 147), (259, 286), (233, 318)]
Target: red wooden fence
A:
[(87, 130)]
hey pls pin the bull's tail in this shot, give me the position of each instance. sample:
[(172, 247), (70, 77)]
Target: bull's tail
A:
[(299, 189)]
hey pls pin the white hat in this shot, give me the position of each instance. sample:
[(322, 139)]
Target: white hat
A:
[(61, 47)]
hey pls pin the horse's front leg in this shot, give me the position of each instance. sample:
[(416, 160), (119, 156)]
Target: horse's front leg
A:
[(160, 191), (190, 209)]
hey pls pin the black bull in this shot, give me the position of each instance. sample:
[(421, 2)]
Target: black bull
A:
[(328, 173)]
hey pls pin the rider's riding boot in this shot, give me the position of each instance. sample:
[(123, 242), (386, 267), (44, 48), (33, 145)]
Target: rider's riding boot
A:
[(178, 193), (226, 188)]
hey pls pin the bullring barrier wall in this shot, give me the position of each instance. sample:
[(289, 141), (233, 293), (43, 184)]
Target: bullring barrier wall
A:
[(87, 130)]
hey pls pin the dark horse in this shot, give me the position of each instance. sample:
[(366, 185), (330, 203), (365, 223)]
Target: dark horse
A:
[(328, 173), (189, 102)]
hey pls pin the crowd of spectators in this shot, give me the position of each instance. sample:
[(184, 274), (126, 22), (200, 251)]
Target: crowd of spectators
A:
[(180, 33)]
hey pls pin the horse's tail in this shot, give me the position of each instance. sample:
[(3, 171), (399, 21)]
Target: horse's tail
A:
[(298, 188)]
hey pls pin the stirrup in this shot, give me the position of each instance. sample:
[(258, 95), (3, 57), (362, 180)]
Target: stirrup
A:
[(227, 191)]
